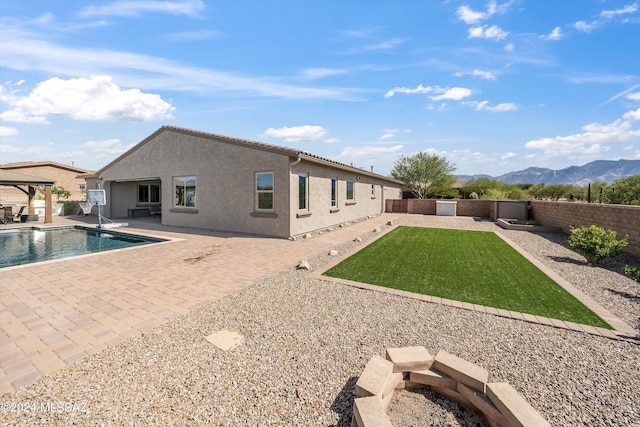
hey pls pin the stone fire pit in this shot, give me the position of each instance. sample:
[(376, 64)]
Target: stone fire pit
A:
[(446, 374)]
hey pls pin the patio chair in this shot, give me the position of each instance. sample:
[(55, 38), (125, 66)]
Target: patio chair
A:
[(8, 215), (17, 216), (155, 210)]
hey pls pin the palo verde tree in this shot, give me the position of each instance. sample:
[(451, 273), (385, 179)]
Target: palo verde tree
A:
[(425, 174), (60, 192)]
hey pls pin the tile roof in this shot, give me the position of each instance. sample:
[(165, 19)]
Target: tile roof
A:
[(250, 144)]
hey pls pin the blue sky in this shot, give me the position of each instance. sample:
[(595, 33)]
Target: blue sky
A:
[(492, 86)]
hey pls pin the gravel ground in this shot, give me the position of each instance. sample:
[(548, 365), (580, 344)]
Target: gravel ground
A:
[(307, 341)]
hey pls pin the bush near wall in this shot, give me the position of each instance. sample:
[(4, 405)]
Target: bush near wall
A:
[(623, 219)]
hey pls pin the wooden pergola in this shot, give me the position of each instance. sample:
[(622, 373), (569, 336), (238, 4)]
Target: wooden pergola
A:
[(27, 184)]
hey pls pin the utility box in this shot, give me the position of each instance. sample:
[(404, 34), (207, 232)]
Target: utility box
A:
[(510, 209), (446, 207)]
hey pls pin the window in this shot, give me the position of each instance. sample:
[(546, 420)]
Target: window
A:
[(350, 192), (303, 191), (373, 191), (185, 191), (334, 192), (264, 191), (148, 193)]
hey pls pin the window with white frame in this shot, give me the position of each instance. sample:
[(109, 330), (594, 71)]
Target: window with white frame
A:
[(334, 192), (303, 191), (264, 191), (148, 193), (185, 191), (350, 191)]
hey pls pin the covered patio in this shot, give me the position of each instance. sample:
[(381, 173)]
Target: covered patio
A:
[(28, 185)]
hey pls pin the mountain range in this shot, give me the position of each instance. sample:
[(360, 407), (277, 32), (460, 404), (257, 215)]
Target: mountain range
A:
[(599, 170)]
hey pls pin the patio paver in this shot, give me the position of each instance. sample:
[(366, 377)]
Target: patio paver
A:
[(56, 313)]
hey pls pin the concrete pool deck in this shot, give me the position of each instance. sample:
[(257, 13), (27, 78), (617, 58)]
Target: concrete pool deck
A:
[(56, 313)]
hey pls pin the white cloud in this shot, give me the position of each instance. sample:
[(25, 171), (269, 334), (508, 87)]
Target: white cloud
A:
[(632, 115), (332, 140), (139, 7), (454, 93), (555, 34), (487, 75), (634, 96), (319, 73), (109, 147), (367, 153), (95, 98), (388, 133), (498, 108), (19, 117), (632, 8), (464, 157), (21, 50), (419, 89), (510, 47), (485, 32), (195, 35), (469, 16), (8, 131), (386, 45), (8, 148), (507, 156), (592, 140), (381, 46), (297, 133), (627, 93), (583, 26)]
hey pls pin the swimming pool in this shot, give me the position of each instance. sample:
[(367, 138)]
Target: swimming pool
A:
[(28, 245)]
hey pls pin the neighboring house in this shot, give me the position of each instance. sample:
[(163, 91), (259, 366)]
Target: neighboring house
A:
[(204, 180), (65, 176)]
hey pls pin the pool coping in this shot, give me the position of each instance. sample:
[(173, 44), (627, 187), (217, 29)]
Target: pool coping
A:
[(163, 240), (620, 331)]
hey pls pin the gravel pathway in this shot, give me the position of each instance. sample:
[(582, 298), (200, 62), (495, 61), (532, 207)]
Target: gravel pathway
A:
[(307, 340)]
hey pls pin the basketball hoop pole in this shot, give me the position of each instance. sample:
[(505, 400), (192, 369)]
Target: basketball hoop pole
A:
[(99, 216)]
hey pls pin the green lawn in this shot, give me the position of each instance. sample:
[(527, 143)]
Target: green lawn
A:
[(470, 266)]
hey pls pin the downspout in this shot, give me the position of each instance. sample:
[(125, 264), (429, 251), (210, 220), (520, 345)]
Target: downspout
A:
[(295, 162)]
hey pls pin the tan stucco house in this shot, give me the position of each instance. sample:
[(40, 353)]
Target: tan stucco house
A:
[(65, 176), (203, 180)]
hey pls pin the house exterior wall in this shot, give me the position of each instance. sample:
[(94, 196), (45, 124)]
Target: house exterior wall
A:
[(65, 178), (226, 196), (320, 214), (225, 183)]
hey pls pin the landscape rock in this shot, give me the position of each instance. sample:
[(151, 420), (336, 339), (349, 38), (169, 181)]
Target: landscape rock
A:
[(303, 265)]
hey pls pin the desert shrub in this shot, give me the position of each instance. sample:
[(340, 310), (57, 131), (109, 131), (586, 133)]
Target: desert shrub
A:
[(69, 208), (596, 243), (634, 272)]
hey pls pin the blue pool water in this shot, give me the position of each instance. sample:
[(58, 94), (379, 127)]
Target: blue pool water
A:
[(24, 246)]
